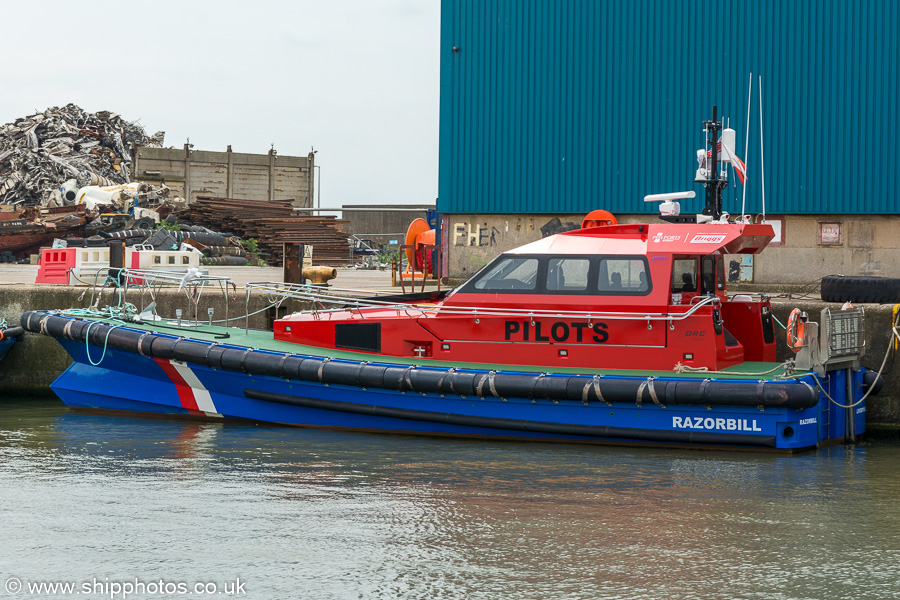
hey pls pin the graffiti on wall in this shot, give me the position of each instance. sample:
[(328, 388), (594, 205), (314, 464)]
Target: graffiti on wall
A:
[(484, 235), (465, 234), (555, 225)]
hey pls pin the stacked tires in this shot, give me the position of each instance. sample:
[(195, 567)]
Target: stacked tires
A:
[(876, 290)]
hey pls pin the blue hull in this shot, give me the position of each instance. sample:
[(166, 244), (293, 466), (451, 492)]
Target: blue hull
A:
[(128, 381), (6, 345)]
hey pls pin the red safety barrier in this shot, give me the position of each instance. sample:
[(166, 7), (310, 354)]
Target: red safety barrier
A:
[(55, 265)]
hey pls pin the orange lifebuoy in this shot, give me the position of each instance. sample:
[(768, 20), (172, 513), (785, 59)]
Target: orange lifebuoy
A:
[(796, 331), (597, 218), (1, 335)]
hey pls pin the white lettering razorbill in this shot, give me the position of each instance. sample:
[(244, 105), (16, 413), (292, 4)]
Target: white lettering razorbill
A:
[(717, 423)]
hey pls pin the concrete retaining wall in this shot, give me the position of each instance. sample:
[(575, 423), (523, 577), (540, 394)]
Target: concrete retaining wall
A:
[(194, 173)]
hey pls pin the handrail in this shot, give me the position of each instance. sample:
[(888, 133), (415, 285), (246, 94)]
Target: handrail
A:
[(359, 305), (191, 281)]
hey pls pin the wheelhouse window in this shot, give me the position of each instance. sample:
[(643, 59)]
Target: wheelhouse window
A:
[(720, 284), (563, 275), (621, 275), (708, 275), (509, 273), (684, 275), (567, 274)]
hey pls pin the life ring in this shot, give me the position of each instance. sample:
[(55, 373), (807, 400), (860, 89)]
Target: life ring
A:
[(796, 331), (1, 335)]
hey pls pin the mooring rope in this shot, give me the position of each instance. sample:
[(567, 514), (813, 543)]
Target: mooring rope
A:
[(787, 365), (87, 343)]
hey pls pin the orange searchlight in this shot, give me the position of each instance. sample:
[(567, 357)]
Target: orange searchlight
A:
[(598, 218)]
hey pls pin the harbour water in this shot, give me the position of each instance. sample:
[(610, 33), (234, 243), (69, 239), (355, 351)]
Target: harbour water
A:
[(265, 512)]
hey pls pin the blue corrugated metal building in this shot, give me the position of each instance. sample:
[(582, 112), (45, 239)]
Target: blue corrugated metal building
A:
[(563, 106)]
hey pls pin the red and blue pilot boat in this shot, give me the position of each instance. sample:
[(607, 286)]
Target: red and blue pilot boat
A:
[(612, 333)]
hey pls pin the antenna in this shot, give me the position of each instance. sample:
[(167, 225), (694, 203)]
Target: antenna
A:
[(667, 207), (669, 196), (762, 158), (746, 146)]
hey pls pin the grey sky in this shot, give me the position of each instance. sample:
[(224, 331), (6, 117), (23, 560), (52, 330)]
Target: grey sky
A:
[(356, 79)]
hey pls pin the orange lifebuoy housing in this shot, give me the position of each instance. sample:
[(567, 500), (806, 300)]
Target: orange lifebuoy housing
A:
[(796, 331), (598, 218), (419, 234), (415, 229)]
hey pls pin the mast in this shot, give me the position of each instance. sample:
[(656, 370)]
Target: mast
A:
[(714, 183), (707, 173)]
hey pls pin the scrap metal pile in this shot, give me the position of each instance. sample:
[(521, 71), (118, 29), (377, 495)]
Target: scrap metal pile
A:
[(272, 223), (40, 152), (66, 160)]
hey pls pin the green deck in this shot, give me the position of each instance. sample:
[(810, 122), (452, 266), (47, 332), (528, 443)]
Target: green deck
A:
[(265, 340)]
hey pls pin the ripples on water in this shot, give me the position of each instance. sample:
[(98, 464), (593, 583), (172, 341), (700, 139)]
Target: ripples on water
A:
[(309, 514)]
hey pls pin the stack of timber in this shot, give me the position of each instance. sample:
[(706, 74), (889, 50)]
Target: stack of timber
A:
[(272, 223)]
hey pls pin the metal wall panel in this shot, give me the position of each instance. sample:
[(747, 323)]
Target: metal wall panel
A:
[(563, 106)]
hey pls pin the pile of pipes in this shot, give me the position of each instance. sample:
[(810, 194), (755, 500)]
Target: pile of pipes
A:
[(215, 248), (41, 151)]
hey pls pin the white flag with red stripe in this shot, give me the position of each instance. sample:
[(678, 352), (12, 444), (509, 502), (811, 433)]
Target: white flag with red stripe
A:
[(737, 164)]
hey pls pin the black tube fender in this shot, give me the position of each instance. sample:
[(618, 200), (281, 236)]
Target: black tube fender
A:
[(411, 378)]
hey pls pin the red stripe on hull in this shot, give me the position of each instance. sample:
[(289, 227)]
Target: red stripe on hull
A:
[(185, 393)]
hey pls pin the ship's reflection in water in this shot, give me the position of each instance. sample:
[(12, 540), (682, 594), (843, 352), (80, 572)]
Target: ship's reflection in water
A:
[(299, 513)]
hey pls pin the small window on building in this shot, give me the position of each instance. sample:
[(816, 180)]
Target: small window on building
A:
[(623, 276), (567, 274), (684, 275), (509, 273), (157, 260)]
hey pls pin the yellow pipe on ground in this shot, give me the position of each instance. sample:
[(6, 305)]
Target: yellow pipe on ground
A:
[(319, 274)]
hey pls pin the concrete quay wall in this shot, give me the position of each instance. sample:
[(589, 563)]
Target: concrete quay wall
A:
[(33, 364)]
